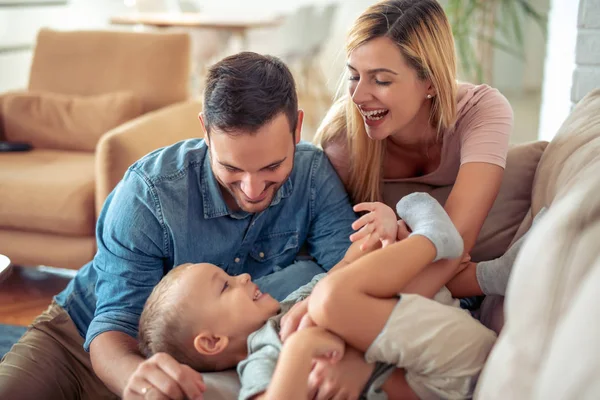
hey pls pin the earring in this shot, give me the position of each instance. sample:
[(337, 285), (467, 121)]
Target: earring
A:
[(429, 96)]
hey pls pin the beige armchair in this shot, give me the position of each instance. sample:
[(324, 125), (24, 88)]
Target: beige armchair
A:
[(51, 197)]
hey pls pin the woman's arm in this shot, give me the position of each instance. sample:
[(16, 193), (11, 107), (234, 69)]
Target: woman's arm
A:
[(484, 129), (468, 205)]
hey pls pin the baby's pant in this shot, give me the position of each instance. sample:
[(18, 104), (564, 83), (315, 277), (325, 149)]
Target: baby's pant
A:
[(442, 348)]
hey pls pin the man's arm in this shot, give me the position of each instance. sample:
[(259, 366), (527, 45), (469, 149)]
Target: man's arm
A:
[(129, 263), (117, 362), (115, 358), (331, 217)]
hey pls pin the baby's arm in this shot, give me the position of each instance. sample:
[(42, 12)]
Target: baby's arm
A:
[(290, 380), (372, 283)]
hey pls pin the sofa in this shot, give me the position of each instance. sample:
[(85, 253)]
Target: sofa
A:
[(86, 89), (548, 347)]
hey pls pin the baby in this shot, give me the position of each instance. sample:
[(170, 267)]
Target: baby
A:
[(212, 321)]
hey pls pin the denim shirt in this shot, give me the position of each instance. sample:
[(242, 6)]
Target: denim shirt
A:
[(169, 210)]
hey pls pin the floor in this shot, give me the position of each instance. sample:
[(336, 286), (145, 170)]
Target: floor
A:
[(27, 292)]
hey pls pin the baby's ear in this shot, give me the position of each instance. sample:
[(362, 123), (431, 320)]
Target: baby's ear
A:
[(209, 344)]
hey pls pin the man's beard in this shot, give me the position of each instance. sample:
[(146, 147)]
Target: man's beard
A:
[(240, 204)]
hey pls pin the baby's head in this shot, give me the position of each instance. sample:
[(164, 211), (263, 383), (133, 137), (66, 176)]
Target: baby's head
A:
[(202, 316)]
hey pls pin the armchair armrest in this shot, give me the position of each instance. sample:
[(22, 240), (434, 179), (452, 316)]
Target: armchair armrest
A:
[(2, 97), (127, 143)]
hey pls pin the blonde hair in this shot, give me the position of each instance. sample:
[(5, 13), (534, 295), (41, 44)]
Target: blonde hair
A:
[(423, 35)]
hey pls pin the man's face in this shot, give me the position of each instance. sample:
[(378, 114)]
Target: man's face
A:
[(252, 167)]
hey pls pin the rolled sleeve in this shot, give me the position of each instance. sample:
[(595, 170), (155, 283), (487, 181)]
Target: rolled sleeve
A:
[(131, 257), (331, 215), (486, 129)]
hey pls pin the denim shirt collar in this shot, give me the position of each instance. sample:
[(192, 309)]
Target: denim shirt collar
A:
[(212, 198)]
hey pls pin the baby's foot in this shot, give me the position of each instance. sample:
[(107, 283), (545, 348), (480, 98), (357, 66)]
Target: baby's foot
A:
[(493, 275), (426, 217)]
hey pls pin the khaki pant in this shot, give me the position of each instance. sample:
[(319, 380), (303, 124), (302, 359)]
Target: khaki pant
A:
[(49, 362), (442, 348)]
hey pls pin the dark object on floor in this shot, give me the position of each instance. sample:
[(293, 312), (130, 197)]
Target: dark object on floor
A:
[(14, 146)]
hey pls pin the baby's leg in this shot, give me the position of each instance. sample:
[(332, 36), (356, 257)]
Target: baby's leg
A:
[(443, 349), (492, 276)]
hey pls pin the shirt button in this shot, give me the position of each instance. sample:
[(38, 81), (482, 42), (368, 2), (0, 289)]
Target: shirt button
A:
[(237, 260), (261, 254)]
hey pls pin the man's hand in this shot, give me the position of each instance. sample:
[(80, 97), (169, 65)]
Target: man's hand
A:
[(161, 377), (343, 380), (295, 319), (379, 225)]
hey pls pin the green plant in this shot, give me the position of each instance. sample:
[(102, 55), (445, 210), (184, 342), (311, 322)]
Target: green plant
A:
[(479, 26)]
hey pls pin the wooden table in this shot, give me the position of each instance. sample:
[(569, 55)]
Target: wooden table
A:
[(236, 24), (5, 267)]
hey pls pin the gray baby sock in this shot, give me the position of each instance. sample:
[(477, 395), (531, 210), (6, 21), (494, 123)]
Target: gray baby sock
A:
[(493, 275), (425, 216)]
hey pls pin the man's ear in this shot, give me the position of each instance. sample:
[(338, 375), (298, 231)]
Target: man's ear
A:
[(298, 133), (204, 132), (209, 344)]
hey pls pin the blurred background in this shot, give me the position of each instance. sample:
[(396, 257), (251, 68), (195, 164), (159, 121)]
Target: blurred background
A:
[(525, 48)]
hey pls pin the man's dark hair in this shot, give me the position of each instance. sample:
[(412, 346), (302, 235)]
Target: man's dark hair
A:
[(247, 90)]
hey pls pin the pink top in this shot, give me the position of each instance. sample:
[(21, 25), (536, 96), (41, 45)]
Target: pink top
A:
[(481, 134)]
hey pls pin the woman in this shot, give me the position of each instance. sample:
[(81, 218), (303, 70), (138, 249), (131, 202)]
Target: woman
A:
[(406, 119)]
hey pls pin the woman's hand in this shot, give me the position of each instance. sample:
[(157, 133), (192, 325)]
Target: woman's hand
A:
[(343, 380), (162, 377), (379, 224)]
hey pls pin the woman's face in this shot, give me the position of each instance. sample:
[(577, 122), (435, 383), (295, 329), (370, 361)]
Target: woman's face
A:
[(386, 90)]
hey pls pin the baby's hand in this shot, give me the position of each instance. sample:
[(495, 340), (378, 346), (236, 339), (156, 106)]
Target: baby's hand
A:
[(380, 224), (318, 343)]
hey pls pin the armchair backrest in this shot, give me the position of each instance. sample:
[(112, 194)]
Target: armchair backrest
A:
[(155, 66)]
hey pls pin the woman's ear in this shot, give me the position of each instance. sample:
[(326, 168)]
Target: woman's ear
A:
[(208, 344)]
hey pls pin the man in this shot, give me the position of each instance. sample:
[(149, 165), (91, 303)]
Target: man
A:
[(246, 198)]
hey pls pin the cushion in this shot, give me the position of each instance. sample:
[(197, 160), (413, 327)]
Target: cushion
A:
[(507, 212), (65, 122), (153, 65), (48, 191), (549, 345), (576, 145), (221, 385)]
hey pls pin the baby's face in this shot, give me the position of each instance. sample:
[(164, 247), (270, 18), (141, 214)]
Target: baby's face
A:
[(223, 304)]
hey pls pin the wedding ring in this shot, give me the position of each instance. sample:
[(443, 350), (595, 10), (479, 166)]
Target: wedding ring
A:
[(145, 390)]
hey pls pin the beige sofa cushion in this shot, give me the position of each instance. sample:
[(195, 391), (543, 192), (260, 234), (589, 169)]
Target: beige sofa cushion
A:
[(48, 191), (153, 65), (549, 346), (509, 209), (576, 145), (65, 122)]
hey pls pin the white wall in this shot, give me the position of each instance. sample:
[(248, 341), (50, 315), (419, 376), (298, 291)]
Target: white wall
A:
[(587, 53), (559, 66), (19, 25)]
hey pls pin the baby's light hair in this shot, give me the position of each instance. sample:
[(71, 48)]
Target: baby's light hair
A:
[(163, 329)]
